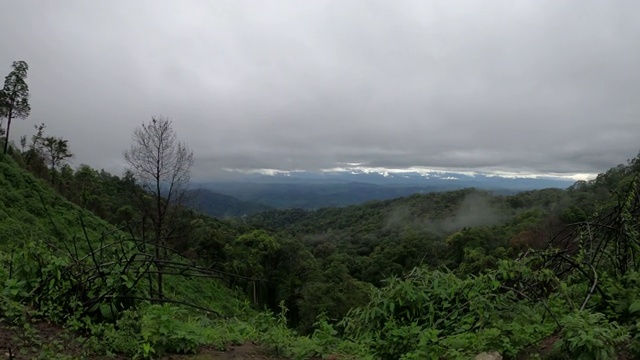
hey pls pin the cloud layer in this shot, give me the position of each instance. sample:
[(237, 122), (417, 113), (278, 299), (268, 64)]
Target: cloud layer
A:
[(532, 86)]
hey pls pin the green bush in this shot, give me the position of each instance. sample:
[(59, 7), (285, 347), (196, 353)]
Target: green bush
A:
[(170, 329), (589, 336)]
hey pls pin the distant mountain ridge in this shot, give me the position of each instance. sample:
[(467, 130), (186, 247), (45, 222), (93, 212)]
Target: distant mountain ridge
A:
[(309, 190)]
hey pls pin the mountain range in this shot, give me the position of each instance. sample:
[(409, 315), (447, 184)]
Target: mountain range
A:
[(255, 192)]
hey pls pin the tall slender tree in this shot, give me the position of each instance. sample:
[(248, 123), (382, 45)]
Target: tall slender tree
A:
[(14, 97), (162, 165)]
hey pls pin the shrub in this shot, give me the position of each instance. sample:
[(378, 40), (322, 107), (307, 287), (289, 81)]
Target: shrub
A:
[(589, 336)]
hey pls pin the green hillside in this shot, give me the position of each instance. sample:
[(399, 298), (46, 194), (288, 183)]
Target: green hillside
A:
[(440, 275), (31, 210), (223, 206)]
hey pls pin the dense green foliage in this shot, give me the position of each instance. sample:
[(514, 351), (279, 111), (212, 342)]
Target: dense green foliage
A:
[(26, 200), (57, 265), (223, 206), (438, 275)]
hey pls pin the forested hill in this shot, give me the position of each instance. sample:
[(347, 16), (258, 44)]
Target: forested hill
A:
[(36, 217), (30, 209), (467, 231), (437, 212), (442, 212), (222, 206)]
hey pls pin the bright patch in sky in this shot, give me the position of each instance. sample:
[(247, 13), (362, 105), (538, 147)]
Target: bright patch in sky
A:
[(445, 174)]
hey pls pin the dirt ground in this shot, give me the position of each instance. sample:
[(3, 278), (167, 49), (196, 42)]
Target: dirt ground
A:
[(17, 344), (241, 352)]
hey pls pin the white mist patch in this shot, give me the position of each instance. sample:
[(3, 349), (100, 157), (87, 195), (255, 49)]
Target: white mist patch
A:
[(475, 210)]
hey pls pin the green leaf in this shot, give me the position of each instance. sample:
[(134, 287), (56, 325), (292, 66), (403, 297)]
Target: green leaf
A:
[(634, 307), (105, 310)]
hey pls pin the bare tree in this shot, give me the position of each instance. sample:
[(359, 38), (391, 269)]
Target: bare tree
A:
[(162, 165)]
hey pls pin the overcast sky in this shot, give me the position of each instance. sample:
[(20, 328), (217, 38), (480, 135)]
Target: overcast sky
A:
[(521, 86)]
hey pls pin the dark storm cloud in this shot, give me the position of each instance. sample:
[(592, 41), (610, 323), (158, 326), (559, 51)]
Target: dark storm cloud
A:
[(532, 86)]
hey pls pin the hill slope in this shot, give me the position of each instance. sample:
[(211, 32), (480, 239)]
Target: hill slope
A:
[(223, 206), (30, 210), (437, 212), (66, 263)]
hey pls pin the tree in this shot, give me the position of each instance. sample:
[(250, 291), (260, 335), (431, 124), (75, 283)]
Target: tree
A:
[(55, 151), (162, 165), (34, 154), (14, 97), (251, 255)]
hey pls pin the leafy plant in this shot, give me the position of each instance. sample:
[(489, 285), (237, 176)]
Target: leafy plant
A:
[(589, 336), (169, 329)]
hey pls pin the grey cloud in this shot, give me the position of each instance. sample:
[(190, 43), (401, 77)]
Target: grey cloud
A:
[(538, 86)]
